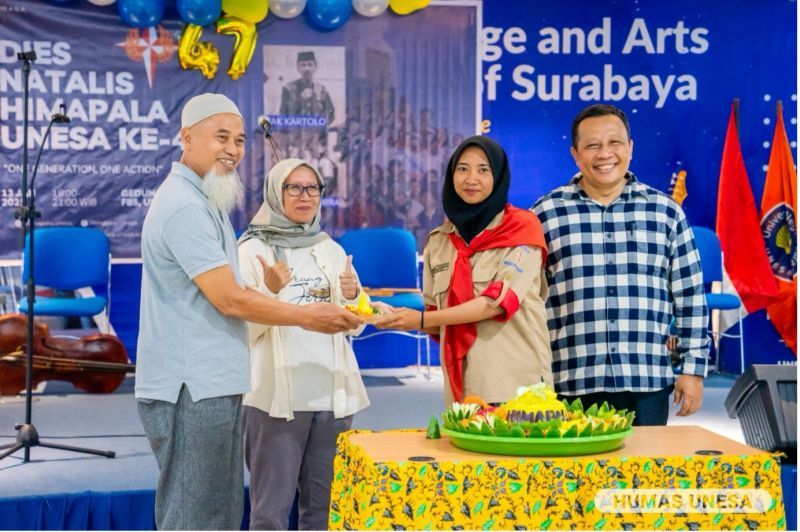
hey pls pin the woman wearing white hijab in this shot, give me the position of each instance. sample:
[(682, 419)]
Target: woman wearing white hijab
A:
[(306, 385)]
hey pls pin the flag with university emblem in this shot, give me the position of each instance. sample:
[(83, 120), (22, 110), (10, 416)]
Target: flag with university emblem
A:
[(778, 225)]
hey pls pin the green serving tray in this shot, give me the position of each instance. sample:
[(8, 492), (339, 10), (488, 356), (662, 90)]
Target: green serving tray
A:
[(537, 446)]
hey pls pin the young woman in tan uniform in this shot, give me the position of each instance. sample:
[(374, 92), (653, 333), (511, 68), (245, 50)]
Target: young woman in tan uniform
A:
[(483, 282)]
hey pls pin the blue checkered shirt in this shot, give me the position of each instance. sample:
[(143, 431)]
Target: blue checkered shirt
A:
[(617, 276)]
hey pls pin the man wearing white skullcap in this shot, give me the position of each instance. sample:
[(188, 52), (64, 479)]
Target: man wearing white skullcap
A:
[(193, 362)]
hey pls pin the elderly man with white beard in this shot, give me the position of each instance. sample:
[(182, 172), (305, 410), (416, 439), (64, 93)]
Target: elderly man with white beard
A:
[(192, 356)]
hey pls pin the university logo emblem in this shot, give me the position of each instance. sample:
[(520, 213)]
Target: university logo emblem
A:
[(780, 236), (149, 46)]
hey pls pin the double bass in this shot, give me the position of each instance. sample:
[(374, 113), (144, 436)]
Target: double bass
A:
[(95, 364)]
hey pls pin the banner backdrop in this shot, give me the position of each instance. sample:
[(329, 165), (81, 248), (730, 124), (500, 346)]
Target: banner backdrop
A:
[(674, 69), (390, 96), (399, 94)]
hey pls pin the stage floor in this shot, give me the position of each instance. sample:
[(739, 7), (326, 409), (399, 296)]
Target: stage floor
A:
[(401, 398)]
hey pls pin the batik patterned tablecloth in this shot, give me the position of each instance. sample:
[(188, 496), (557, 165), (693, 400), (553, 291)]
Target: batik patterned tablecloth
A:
[(378, 486)]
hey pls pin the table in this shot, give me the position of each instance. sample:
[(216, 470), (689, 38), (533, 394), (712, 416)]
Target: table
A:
[(378, 487)]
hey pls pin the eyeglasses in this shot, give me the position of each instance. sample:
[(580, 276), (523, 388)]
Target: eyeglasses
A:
[(295, 191)]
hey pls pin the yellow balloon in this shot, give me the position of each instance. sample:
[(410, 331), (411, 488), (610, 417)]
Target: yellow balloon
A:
[(196, 55), (245, 45), (248, 10), (404, 7)]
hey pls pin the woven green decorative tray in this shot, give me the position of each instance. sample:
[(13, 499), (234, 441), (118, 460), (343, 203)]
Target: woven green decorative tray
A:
[(537, 446)]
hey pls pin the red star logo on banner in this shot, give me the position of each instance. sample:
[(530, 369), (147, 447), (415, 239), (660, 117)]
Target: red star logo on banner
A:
[(149, 46)]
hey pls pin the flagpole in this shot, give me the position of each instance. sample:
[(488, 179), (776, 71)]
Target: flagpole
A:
[(736, 114)]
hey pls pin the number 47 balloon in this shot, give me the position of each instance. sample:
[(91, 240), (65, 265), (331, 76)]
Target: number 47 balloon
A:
[(240, 21)]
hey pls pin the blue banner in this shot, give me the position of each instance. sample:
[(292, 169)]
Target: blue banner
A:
[(386, 92), (673, 68)]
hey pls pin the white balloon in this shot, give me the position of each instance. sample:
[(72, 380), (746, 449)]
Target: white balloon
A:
[(287, 8), (101, 2), (370, 8)]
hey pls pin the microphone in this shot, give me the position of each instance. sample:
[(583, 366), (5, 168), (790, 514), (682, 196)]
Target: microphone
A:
[(266, 126), (61, 118), (29, 55)]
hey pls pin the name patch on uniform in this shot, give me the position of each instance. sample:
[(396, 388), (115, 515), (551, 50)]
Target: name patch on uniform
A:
[(441, 267)]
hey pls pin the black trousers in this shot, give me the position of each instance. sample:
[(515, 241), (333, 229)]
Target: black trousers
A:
[(652, 408)]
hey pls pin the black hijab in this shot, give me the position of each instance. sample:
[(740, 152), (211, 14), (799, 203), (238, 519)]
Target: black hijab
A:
[(470, 220)]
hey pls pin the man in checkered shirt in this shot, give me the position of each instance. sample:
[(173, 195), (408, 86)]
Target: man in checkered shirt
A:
[(621, 264)]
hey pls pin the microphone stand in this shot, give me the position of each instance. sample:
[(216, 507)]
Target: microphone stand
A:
[(27, 435)]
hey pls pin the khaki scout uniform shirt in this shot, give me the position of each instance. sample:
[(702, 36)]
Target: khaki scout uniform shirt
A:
[(506, 354)]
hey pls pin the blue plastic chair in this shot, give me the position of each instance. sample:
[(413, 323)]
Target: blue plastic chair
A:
[(67, 259), (710, 251), (386, 261)]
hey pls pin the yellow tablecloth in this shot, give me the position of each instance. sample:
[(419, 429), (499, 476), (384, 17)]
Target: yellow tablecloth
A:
[(377, 487)]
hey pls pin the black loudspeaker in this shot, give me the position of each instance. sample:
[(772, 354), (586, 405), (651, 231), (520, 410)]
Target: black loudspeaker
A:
[(764, 399)]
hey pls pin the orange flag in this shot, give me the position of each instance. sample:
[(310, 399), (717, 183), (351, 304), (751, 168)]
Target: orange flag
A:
[(778, 225)]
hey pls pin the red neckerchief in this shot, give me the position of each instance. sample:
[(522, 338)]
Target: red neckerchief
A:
[(518, 228)]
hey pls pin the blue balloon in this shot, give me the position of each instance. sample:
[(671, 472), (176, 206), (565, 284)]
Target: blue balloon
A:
[(200, 12), (328, 14), (141, 13)]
